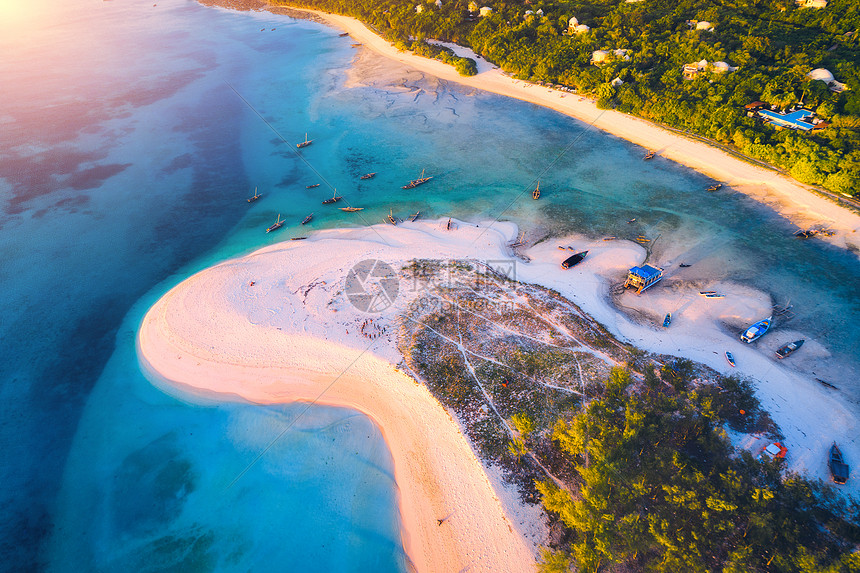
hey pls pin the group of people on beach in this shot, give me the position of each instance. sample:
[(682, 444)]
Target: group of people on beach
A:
[(371, 330)]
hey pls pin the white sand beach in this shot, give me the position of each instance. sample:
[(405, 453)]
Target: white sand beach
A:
[(294, 335)]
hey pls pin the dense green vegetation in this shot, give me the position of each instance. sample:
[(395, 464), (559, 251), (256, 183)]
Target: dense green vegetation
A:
[(659, 489), (773, 43)]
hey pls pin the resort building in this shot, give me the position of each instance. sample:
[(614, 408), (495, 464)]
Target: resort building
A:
[(753, 107), (700, 25), (811, 3), (485, 11), (722, 67), (800, 119), (825, 76), (641, 278), (692, 70)]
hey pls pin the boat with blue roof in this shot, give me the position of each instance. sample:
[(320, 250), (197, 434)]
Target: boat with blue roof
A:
[(757, 330)]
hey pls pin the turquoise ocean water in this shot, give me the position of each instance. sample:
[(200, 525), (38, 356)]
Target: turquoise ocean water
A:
[(125, 160)]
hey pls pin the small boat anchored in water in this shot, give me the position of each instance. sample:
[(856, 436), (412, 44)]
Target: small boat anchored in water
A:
[(715, 187), (308, 219), (414, 217), (784, 351), (351, 209), (255, 197), (573, 260), (368, 175), (839, 470), (334, 199), (278, 224), (416, 182), (314, 186), (649, 155), (757, 330), (536, 192), (391, 218), (304, 143)]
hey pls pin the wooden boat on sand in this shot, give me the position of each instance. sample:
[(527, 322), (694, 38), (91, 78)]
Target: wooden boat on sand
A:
[(573, 260), (731, 358), (839, 470), (784, 351), (414, 217), (757, 330)]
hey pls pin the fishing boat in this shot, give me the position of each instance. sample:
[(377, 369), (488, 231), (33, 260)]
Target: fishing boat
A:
[(536, 192), (731, 358), (449, 223), (789, 348), (298, 238), (611, 238), (255, 197), (649, 155), (839, 470), (573, 260), (334, 199), (308, 219), (351, 209), (278, 224), (684, 265), (757, 330), (415, 216), (416, 182), (344, 35), (304, 143), (391, 218), (707, 292), (805, 233), (668, 320), (314, 186), (633, 220), (715, 186), (368, 175), (714, 295)]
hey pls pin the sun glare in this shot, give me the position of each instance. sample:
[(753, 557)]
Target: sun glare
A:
[(16, 15)]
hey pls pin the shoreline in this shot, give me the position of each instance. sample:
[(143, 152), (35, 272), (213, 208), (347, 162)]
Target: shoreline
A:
[(209, 334), (787, 197), (293, 332)]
